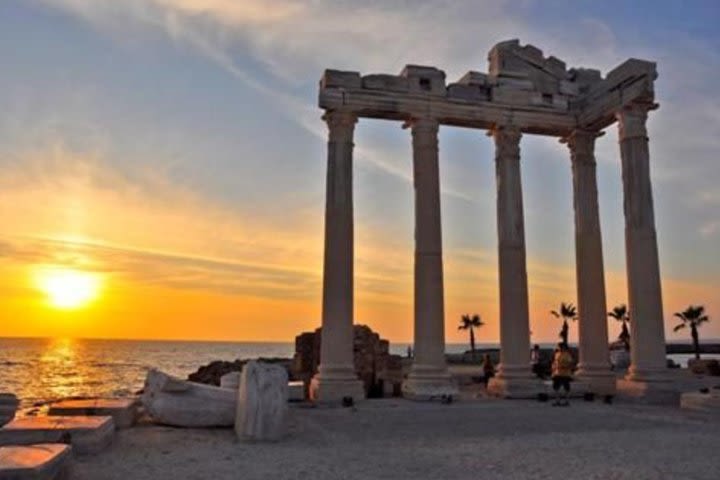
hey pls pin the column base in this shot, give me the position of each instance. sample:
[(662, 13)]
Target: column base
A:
[(427, 383), (644, 374), (597, 379), (331, 384), (526, 386)]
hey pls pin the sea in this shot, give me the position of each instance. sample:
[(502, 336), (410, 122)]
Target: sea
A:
[(40, 370)]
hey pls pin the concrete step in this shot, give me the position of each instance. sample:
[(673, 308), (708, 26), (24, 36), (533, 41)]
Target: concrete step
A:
[(124, 411), (87, 435), (48, 461)]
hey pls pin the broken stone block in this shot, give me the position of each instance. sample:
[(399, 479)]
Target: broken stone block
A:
[(472, 93), (385, 82), (429, 80), (511, 96), (338, 78), (171, 401), (45, 461), (8, 406), (124, 411), (518, 83), (87, 435), (262, 402), (296, 391), (569, 88), (473, 78)]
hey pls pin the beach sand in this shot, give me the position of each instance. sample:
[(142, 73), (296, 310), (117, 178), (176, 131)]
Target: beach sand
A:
[(398, 439)]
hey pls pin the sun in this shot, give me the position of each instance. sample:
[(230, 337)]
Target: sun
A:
[(67, 288)]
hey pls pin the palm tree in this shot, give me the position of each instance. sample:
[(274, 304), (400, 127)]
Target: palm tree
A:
[(468, 322), (567, 312), (620, 313), (693, 316)]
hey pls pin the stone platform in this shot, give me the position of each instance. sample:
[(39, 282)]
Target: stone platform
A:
[(124, 411), (87, 435), (49, 461), (701, 402)]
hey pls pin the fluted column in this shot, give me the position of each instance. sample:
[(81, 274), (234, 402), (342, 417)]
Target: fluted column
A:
[(594, 365), (428, 376), (336, 377), (647, 340), (514, 370)]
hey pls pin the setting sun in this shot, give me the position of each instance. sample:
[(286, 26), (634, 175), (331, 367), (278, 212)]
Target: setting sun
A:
[(67, 288)]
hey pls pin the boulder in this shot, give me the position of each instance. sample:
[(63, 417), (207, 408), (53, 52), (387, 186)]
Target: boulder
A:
[(262, 402), (8, 406), (171, 401), (211, 373)]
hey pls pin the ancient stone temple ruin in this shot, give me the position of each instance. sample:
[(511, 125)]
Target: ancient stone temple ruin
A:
[(523, 92)]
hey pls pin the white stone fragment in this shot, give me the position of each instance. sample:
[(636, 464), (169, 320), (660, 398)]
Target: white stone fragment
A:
[(171, 401), (262, 402)]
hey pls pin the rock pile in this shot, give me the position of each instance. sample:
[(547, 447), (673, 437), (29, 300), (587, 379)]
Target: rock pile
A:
[(380, 372)]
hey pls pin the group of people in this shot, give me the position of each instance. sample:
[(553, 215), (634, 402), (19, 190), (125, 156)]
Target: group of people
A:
[(563, 364)]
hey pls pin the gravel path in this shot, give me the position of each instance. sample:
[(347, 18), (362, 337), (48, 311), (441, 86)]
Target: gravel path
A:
[(396, 439)]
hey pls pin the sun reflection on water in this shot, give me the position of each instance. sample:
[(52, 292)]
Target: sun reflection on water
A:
[(60, 369)]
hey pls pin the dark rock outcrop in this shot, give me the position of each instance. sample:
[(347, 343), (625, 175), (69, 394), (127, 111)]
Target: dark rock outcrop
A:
[(210, 374)]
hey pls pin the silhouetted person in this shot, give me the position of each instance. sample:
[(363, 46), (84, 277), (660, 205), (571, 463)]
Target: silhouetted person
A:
[(562, 374), (535, 360), (488, 369)]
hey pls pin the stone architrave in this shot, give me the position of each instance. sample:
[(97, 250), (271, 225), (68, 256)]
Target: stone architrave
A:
[(336, 376), (594, 366), (514, 377), (647, 339), (262, 402), (428, 377), (124, 411)]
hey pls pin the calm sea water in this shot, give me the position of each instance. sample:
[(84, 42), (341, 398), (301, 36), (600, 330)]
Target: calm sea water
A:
[(42, 370)]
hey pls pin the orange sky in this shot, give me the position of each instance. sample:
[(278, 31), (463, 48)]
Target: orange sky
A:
[(177, 267)]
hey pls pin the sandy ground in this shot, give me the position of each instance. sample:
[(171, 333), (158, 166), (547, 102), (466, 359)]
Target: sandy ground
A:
[(397, 439)]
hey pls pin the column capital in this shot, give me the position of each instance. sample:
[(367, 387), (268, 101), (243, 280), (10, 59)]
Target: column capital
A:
[(341, 124), (632, 118), (581, 144), (422, 125), (507, 141)]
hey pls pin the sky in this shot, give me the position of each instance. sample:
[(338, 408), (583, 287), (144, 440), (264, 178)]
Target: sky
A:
[(174, 151)]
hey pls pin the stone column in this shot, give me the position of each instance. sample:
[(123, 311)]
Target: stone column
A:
[(514, 377), (647, 335), (428, 376), (594, 366), (336, 376)]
